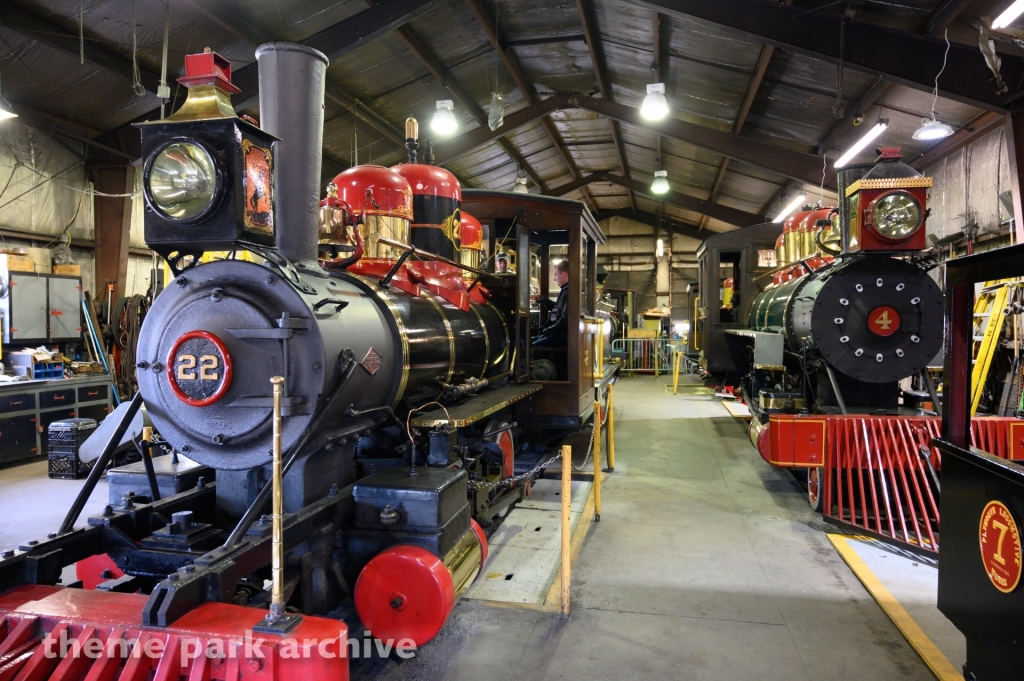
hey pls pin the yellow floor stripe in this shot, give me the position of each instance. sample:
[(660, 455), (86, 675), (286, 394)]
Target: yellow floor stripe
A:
[(929, 652)]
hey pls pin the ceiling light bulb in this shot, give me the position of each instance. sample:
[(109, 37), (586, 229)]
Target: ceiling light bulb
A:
[(655, 106), (520, 186), (444, 122), (859, 145), (660, 248), (932, 129), (1009, 15), (660, 184), (790, 208)]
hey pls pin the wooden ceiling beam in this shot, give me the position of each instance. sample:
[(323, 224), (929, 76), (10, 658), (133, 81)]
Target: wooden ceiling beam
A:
[(515, 69), (593, 35)]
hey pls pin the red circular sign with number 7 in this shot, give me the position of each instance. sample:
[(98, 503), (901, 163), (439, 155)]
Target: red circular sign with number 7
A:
[(1000, 546), (884, 320)]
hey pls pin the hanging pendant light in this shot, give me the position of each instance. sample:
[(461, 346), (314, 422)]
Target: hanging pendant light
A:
[(520, 186), (660, 184), (444, 122), (932, 129), (655, 106)]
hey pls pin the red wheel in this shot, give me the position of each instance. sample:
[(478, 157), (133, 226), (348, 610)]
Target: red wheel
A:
[(483, 545), (815, 488), (405, 592), (506, 444)]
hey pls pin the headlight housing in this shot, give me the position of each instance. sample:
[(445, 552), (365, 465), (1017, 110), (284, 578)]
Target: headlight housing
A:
[(896, 215), (182, 180)]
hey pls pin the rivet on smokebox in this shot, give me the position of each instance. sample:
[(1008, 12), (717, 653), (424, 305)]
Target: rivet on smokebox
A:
[(217, 294), (181, 281), (255, 665)]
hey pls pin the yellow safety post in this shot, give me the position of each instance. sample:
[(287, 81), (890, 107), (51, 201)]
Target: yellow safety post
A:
[(677, 359), (600, 349), (566, 526), (611, 427), (597, 461)]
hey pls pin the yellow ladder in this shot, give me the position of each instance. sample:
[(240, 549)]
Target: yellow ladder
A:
[(988, 327)]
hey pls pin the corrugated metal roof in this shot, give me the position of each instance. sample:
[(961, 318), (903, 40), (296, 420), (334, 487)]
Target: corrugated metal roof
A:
[(707, 71)]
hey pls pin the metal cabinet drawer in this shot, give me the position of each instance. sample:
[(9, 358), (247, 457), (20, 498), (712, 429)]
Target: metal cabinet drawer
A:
[(92, 393), (19, 402), (18, 438), (57, 398), (96, 412)]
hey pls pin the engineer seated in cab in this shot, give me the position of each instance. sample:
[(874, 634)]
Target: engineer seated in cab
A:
[(501, 263), (555, 333)]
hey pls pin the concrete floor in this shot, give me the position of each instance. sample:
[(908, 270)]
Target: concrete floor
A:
[(33, 505), (707, 564)]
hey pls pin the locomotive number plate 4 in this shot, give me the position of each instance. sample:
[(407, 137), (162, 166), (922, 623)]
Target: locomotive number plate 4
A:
[(884, 321), (199, 368), (1000, 546)]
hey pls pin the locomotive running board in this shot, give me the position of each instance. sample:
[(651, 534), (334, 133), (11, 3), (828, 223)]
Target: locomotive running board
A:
[(476, 408)]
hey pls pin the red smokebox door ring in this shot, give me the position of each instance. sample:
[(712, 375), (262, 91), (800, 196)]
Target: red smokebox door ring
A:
[(199, 368), (884, 321)]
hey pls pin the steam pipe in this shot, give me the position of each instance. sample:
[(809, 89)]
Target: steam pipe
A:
[(292, 81)]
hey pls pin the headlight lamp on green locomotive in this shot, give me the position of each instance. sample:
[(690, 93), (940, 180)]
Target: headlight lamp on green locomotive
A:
[(208, 176), (886, 205)]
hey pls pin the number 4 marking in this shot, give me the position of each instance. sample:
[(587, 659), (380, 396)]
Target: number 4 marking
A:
[(883, 320)]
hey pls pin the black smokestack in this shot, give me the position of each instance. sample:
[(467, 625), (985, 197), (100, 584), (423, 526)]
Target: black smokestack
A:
[(292, 107)]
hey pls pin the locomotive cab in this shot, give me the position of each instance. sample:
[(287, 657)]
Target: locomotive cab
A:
[(742, 256), (546, 230)]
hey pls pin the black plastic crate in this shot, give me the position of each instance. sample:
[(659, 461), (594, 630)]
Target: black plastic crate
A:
[(68, 467), (64, 439)]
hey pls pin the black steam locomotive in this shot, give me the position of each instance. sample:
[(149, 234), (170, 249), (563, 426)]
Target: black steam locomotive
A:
[(406, 398), (827, 313)]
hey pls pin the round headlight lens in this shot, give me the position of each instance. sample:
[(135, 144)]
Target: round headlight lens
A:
[(896, 215), (182, 180)]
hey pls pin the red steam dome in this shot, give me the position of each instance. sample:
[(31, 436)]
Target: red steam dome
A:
[(471, 233), (430, 180), (391, 191)]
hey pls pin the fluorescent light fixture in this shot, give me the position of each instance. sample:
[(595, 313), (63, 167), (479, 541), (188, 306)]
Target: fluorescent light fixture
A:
[(660, 184), (1009, 15), (932, 129), (655, 106), (791, 208), (5, 111), (859, 145), (444, 122), (660, 248)]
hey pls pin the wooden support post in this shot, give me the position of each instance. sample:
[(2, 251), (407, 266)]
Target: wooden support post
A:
[(611, 428), (113, 217), (597, 461), (566, 527)]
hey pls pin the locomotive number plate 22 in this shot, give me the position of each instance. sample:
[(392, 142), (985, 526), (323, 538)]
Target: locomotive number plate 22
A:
[(199, 368)]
